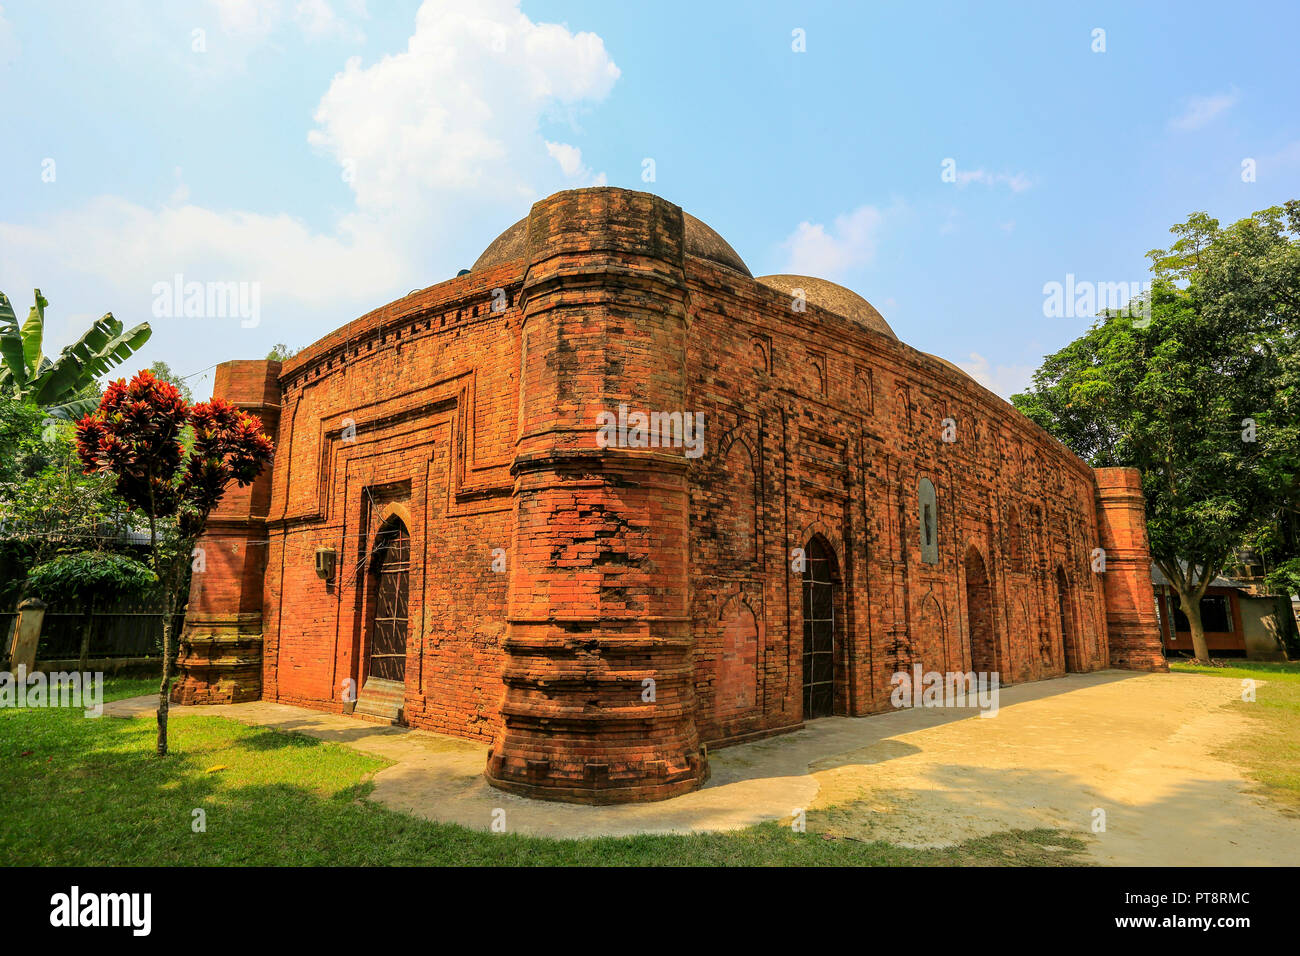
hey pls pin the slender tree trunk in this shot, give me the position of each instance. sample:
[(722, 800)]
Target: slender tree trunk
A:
[(164, 686), (164, 691), (171, 582), (88, 625), (1191, 607)]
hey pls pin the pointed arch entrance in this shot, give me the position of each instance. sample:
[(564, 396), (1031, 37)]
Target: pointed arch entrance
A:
[(1069, 632), (820, 582), (390, 565), (984, 656)]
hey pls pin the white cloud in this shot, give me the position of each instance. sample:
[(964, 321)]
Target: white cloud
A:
[(318, 20), (1200, 110), (110, 254), (9, 46), (1016, 182), (814, 250), (569, 157), (1005, 380), (441, 136), (253, 18), (459, 109), (434, 133), (570, 160), (129, 247)]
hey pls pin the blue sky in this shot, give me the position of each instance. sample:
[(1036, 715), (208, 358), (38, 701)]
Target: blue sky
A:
[(335, 154)]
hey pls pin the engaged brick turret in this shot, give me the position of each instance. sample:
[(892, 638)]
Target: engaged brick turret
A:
[(599, 700), (220, 658), (1131, 624)]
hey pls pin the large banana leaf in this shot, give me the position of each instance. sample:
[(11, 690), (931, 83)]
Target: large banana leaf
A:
[(33, 333), (123, 347), (103, 346), (14, 375), (74, 410)]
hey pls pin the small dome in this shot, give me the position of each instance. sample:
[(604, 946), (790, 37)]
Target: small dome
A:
[(832, 298), (704, 242), (943, 361), (511, 244), (700, 241)]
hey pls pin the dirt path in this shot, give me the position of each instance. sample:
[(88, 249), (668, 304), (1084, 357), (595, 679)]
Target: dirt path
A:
[(1133, 746)]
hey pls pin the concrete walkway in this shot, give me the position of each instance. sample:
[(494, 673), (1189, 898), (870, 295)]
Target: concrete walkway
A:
[(1133, 746)]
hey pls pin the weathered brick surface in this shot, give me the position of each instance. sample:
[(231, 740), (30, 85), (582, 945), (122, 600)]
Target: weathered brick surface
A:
[(599, 595), (477, 428), (219, 659), (1130, 596)]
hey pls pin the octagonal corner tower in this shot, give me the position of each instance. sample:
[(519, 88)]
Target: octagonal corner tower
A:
[(599, 702)]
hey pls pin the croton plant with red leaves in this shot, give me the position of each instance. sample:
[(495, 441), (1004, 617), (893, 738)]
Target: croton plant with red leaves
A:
[(135, 435)]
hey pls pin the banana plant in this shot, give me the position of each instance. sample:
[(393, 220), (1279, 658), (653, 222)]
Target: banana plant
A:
[(28, 376)]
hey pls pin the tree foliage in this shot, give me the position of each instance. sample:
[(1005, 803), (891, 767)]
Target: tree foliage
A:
[(58, 385), (134, 436), (85, 575), (1204, 399), (48, 505)]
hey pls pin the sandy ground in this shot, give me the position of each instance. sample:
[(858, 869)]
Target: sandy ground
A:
[(1134, 747)]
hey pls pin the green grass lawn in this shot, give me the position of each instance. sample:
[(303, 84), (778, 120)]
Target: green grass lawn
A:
[(1271, 752), (78, 791)]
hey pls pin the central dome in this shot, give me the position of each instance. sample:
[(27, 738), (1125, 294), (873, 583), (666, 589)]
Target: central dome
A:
[(701, 241), (832, 298)]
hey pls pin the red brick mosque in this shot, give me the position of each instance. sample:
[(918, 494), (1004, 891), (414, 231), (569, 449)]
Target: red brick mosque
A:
[(794, 506)]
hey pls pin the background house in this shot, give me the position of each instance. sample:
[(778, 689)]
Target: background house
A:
[(1240, 619)]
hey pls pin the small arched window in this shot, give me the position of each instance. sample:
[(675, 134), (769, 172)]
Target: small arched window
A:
[(928, 517)]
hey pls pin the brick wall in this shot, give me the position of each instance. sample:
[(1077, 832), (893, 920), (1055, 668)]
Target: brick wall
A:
[(818, 426), (410, 410)]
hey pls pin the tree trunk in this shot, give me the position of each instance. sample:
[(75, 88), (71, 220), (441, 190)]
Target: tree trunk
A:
[(171, 584), (164, 690), (85, 637), (1191, 608), (164, 687)]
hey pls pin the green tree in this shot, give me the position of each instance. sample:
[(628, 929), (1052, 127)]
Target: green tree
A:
[(59, 386), (134, 435), (47, 505), (163, 372), (88, 578), (1202, 399), (281, 353)]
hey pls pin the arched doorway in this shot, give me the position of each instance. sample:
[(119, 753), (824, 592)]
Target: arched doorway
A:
[(979, 615), (1069, 635), (819, 630), (390, 564)]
